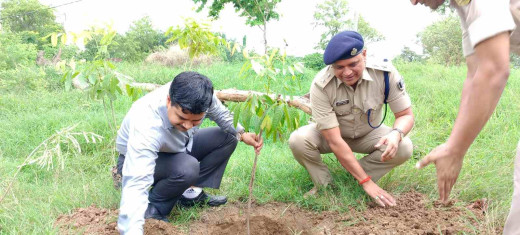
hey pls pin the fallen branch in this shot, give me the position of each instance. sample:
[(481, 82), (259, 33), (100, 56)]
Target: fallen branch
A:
[(232, 95)]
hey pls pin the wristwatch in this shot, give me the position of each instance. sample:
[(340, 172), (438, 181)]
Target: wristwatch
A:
[(400, 132)]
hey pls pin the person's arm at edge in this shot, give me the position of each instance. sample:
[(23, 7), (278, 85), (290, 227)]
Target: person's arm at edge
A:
[(481, 93)]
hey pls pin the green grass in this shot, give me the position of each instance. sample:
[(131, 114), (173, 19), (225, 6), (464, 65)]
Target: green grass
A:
[(33, 106)]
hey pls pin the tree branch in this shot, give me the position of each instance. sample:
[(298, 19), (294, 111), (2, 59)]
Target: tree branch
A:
[(233, 95)]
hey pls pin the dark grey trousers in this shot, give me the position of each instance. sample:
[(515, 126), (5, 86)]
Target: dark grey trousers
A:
[(204, 166)]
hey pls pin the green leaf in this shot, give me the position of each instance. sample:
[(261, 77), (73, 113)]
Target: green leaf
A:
[(64, 39), (54, 39), (268, 99), (236, 113)]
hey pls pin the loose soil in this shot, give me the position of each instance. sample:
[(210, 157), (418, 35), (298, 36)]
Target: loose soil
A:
[(414, 214)]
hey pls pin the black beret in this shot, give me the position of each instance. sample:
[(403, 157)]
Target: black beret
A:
[(342, 46)]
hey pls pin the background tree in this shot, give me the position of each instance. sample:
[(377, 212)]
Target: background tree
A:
[(334, 16), (369, 34), (25, 16), (408, 55), (257, 12), (139, 41), (441, 41)]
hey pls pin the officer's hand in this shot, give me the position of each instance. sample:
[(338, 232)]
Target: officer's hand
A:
[(380, 196), (448, 165), (391, 140), (254, 140)]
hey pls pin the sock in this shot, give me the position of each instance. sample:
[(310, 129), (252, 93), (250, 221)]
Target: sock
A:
[(192, 192)]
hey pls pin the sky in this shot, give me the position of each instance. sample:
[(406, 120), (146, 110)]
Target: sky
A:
[(398, 20)]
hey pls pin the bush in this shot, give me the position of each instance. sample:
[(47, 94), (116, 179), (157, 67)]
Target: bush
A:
[(441, 41), (314, 61), (13, 52)]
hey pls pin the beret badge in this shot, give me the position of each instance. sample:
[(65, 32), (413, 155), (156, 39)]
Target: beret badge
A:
[(354, 51)]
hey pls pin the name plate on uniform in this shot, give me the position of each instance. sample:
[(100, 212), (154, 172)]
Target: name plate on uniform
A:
[(342, 102)]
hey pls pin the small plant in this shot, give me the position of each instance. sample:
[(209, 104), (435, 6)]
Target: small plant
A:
[(196, 37), (271, 108), (56, 149), (99, 75)]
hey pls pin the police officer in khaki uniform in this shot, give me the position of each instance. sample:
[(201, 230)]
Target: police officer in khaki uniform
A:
[(490, 31), (347, 99)]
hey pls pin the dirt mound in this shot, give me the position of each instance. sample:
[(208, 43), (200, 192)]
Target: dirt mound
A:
[(414, 214), (93, 220)]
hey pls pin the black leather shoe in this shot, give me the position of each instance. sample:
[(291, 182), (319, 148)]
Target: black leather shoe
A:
[(203, 199), (152, 213)]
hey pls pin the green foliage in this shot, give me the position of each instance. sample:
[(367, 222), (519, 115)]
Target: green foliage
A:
[(29, 16), (442, 41), (100, 75), (196, 37), (257, 12), (14, 52), (314, 61), (369, 34), (139, 41), (334, 16), (228, 54), (407, 55), (271, 109)]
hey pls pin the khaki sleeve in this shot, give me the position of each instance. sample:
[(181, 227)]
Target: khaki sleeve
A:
[(322, 111), (398, 98)]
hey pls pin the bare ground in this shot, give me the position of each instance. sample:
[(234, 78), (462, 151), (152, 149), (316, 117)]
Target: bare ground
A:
[(414, 214)]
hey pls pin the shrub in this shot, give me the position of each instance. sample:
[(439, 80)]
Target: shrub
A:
[(13, 52), (314, 61)]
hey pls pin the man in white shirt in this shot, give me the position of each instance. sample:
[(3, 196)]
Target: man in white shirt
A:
[(161, 145)]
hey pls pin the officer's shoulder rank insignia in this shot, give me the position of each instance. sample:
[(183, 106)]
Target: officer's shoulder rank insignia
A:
[(462, 2), (400, 84), (354, 51)]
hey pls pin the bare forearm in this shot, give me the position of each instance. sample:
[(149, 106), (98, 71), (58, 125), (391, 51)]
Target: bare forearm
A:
[(404, 123), (347, 159), (488, 71), (480, 98)]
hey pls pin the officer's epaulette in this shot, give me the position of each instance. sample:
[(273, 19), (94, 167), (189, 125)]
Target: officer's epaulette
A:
[(324, 76), (379, 64)]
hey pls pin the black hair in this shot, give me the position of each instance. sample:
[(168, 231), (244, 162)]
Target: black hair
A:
[(192, 91)]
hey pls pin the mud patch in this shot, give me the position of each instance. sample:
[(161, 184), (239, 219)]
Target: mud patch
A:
[(414, 214), (93, 220)]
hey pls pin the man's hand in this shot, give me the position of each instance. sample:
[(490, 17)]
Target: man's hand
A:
[(448, 165), (380, 196), (391, 140), (253, 139)]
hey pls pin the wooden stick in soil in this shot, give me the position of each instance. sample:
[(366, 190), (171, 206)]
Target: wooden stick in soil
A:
[(251, 182)]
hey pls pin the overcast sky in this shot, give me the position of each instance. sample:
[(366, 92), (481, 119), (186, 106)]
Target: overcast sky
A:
[(397, 20)]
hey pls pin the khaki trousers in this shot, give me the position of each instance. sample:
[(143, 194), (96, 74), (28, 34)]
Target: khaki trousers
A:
[(512, 226), (307, 145)]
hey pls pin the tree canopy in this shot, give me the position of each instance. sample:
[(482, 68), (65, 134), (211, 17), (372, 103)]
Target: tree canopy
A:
[(28, 15), (442, 41)]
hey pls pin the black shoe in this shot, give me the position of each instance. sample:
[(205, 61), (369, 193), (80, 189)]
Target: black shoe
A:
[(152, 213), (203, 199)]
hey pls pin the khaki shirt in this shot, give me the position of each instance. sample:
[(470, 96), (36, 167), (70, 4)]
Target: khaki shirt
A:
[(482, 19), (334, 103)]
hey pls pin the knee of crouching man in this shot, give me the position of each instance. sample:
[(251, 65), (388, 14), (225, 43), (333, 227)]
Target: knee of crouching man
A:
[(405, 149)]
